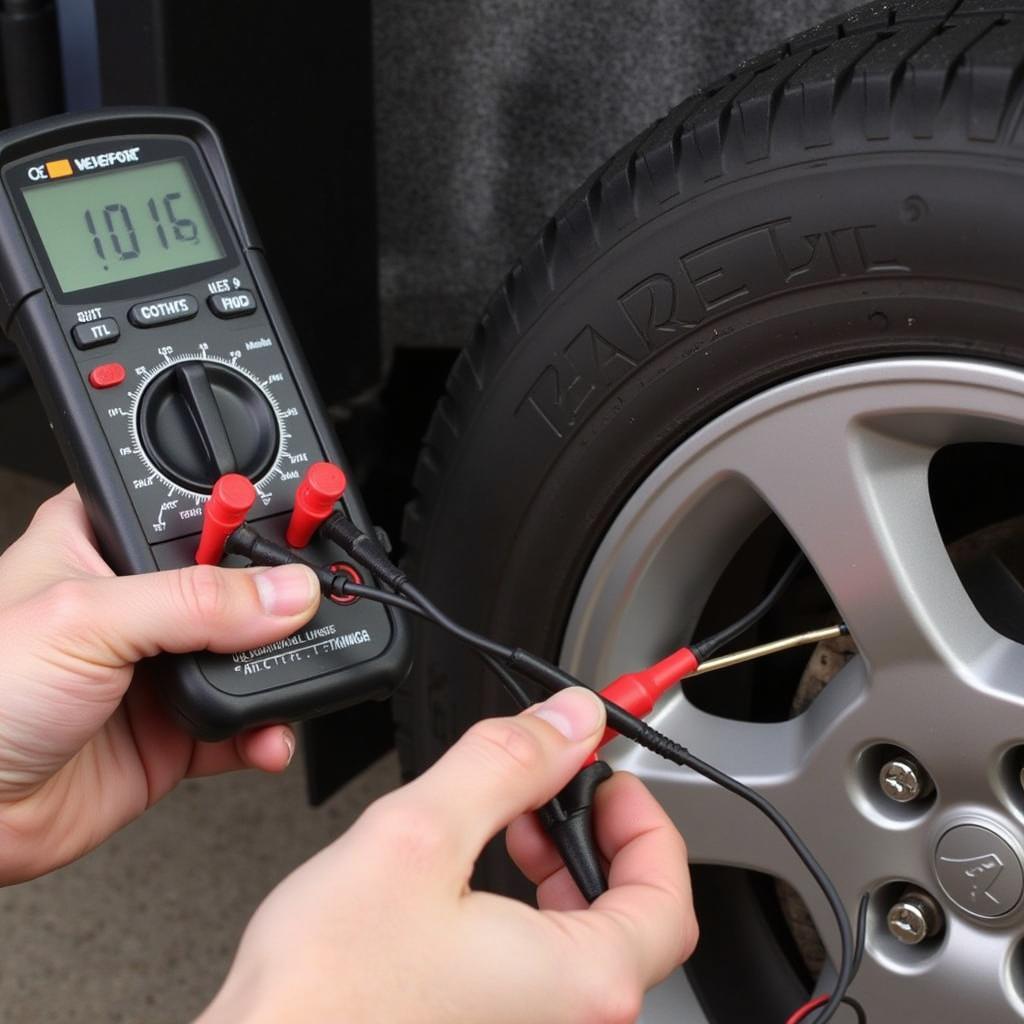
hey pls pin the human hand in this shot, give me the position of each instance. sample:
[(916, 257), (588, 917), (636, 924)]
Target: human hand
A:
[(382, 926), (81, 754)]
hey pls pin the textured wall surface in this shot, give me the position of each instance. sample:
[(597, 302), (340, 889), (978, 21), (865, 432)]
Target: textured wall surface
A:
[(492, 111)]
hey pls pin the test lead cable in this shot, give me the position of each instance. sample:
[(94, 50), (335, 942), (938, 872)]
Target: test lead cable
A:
[(817, 1002), (705, 648)]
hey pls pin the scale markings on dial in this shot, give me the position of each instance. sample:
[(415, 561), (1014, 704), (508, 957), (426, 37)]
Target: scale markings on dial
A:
[(193, 415), (176, 489)]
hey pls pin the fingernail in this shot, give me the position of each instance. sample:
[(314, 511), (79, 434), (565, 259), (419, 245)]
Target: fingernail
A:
[(286, 589), (577, 713), (289, 741)]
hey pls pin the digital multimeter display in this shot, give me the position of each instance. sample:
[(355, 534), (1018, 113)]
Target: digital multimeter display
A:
[(116, 225)]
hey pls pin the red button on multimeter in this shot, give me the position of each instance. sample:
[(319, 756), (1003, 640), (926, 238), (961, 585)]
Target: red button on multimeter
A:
[(109, 375)]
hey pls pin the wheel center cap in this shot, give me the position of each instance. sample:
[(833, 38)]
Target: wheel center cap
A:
[(979, 871)]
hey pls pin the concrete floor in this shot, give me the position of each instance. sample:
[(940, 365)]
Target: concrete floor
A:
[(143, 929)]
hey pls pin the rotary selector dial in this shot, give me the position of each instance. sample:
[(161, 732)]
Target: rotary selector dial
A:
[(190, 417), (199, 420)]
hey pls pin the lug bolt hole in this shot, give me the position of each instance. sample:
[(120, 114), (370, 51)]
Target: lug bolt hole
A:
[(895, 782), (914, 918), (906, 922)]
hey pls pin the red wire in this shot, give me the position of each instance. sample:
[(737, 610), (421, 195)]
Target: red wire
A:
[(806, 1009)]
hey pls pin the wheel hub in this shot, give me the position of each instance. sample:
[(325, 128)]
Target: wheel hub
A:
[(979, 870)]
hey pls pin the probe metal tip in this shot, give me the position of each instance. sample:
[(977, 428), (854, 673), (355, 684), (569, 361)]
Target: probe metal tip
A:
[(774, 647)]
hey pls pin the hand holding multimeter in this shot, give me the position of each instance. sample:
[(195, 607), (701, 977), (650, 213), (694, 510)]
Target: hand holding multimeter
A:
[(82, 752), (133, 284)]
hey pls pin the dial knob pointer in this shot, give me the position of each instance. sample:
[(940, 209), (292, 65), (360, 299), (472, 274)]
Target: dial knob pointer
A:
[(194, 387), (202, 419)]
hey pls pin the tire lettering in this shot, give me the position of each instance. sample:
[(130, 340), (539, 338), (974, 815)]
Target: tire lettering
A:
[(662, 308), (589, 362), (651, 309)]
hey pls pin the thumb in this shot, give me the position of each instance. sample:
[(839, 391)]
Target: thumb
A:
[(116, 621), (503, 767)]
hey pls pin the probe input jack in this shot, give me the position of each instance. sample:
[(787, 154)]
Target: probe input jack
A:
[(344, 569)]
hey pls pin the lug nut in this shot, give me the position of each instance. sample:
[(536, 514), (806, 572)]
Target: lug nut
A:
[(914, 918), (902, 779)]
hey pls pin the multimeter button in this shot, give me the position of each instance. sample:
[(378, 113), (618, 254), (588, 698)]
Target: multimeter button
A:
[(237, 303), (109, 375), (163, 311), (97, 332)]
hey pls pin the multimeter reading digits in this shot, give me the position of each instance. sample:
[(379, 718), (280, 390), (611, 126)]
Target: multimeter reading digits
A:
[(133, 284)]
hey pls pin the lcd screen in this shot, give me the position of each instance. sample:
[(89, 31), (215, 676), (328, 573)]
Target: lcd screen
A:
[(115, 225)]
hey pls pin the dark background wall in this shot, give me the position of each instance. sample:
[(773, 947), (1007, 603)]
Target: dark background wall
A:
[(489, 112)]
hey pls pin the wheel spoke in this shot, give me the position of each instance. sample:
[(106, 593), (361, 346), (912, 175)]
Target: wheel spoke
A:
[(852, 487), (966, 979)]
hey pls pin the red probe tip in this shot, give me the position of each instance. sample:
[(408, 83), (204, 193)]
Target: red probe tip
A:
[(323, 484), (225, 511)]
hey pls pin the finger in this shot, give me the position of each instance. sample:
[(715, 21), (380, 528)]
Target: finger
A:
[(269, 749), (619, 804), (646, 916), (646, 854), (168, 754), (502, 767), (114, 622), (531, 848)]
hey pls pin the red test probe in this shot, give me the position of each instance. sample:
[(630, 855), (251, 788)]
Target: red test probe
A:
[(225, 511), (323, 484)]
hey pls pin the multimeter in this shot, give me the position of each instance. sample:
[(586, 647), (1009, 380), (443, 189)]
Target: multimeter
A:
[(133, 283)]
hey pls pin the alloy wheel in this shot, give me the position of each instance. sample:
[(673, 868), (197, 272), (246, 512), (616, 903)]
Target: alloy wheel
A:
[(842, 459)]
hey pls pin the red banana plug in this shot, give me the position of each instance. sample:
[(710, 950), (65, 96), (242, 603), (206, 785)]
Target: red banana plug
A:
[(323, 484), (225, 511)]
